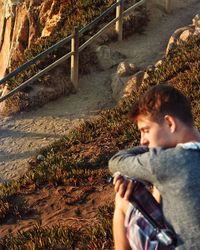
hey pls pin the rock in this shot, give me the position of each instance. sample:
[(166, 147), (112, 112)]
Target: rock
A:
[(124, 86), (8, 7), (126, 68), (117, 85), (185, 35), (196, 23), (120, 78), (174, 39), (40, 157), (146, 75), (150, 68), (158, 63), (51, 25), (107, 58), (23, 24), (133, 84)]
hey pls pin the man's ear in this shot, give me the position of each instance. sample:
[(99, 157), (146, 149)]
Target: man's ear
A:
[(171, 122)]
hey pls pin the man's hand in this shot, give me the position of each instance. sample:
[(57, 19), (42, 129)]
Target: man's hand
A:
[(123, 186)]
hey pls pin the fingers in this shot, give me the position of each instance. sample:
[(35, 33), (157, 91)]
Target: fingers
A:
[(120, 186), (129, 190), (124, 187), (117, 176)]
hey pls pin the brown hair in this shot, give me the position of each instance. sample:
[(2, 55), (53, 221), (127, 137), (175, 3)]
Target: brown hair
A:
[(161, 100)]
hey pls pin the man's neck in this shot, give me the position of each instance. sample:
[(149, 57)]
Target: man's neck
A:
[(189, 134)]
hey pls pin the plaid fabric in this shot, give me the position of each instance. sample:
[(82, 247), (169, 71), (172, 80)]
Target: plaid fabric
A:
[(147, 202), (140, 232)]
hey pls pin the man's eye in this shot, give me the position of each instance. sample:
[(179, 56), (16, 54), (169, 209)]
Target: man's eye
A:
[(146, 131)]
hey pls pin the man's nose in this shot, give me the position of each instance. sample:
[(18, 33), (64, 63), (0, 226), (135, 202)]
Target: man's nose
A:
[(144, 141)]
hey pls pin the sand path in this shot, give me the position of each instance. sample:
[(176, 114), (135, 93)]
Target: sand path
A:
[(22, 135)]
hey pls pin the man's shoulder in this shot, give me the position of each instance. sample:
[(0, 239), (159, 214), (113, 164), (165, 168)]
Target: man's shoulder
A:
[(190, 145), (143, 153), (180, 147), (185, 152)]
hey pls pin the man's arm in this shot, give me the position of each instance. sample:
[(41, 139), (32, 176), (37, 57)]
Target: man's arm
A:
[(134, 163), (124, 187)]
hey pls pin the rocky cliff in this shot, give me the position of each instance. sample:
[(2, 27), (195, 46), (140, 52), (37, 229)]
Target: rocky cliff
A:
[(22, 23)]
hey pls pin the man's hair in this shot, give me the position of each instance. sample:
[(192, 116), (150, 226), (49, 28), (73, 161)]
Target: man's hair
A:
[(161, 100)]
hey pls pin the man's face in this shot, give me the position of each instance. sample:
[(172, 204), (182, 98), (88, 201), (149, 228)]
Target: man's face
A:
[(154, 134)]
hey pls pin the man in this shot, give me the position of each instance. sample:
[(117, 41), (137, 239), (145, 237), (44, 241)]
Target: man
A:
[(169, 159)]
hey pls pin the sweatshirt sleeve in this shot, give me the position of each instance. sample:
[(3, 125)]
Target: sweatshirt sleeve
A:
[(134, 163)]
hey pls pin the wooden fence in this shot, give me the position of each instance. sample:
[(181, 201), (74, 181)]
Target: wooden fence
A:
[(75, 48)]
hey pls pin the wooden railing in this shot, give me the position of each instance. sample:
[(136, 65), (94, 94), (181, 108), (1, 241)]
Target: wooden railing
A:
[(75, 48)]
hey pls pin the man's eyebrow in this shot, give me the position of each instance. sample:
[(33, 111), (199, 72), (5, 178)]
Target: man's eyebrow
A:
[(143, 127)]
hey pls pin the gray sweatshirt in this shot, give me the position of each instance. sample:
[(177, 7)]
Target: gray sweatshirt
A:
[(176, 174)]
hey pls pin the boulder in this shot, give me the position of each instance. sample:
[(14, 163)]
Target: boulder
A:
[(133, 84), (124, 86), (119, 80), (196, 23), (173, 41), (184, 33), (107, 58), (126, 68), (146, 75), (158, 63), (117, 85)]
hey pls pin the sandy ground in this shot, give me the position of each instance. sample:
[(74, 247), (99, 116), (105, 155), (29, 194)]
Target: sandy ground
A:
[(23, 135)]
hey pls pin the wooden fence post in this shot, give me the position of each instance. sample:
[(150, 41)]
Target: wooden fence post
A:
[(119, 23), (75, 57), (168, 6)]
